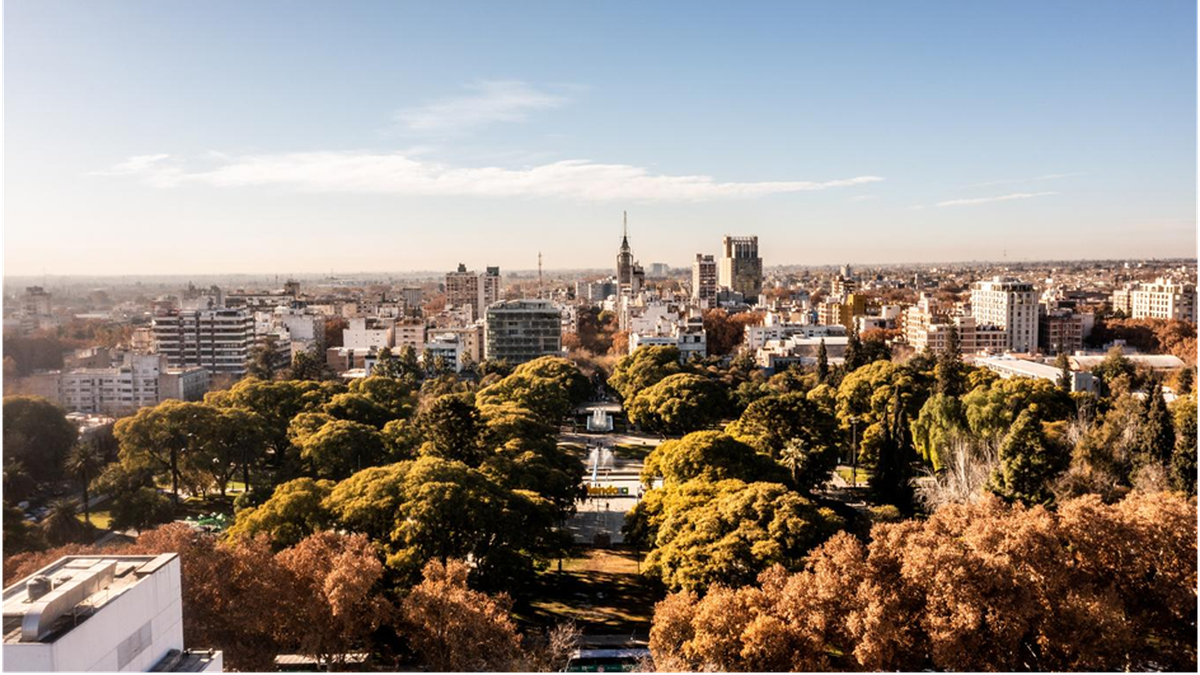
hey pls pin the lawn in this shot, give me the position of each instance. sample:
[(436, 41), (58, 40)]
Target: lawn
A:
[(847, 474), (634, 451), (599, 589), (101, 520)]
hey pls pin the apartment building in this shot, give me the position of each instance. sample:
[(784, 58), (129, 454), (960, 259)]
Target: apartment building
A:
[(218, 339), (101, 613), (1011, 305), (1163, 299), (365, 332), (477, 290), (704, 280), (517, 331), (139, 380)]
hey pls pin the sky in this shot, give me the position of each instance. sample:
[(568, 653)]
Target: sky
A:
[(297, 137)]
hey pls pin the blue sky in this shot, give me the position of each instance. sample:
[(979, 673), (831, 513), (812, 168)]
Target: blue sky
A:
[(281, 137)]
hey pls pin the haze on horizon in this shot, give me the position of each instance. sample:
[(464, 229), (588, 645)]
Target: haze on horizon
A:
[(227, 137)]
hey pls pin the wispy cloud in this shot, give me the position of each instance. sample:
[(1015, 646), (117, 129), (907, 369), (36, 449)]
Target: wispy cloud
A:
[(485, 103), (403, 174), (1002, 198), (1016, 181)]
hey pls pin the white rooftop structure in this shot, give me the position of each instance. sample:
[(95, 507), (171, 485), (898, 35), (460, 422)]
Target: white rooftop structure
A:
[(100, 613)]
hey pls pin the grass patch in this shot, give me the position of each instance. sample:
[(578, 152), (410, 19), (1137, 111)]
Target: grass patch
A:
[(598, 589), (847, 474), (197, 507), (634, 451), (101, 520)]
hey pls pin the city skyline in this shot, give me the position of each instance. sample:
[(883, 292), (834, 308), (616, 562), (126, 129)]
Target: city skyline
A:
[(928, 133)]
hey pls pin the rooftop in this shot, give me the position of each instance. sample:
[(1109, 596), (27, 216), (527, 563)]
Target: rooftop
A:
[(47, 604)]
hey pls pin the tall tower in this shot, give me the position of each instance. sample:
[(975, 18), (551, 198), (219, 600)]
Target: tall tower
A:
[(624, 259)]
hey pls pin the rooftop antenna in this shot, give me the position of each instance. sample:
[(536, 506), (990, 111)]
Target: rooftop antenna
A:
[(539, 275), (625, 223)]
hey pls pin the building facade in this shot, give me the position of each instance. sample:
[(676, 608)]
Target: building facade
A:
[(517, 331), (218, 340), (476, 290), (1163, 299), (107, 613), (704, 281), (741, 267), (1008, 304)]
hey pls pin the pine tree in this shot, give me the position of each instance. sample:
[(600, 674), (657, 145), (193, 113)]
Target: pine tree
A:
[(949, 368), (1156, 433), (1183, 462), (1064, 374), (854, 354), (822, 363), (1028, 462), (1187, 380)]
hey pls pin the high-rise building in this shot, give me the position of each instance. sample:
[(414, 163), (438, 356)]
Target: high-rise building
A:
[(101, 613), (140, 380), (1163, 299), (704, 280), (630, 275), (741, 268), (517, 331), (476, 290), (1009, 304), (218, 340), (35, 302)]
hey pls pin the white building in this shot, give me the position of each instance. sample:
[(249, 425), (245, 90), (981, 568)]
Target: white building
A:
[(777, 355), (1008, 366), (688, 336), (704, 280), (118, 613), (1011, 305), (367, 332), (141, 380), (218, 340), (446, 346), (1163, 299), (756, 337)]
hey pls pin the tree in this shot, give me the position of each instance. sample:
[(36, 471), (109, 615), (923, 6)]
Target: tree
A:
[(772, 422), (410, 368), (979, 587), (166, 438), (678, 404), (1028, 462), (264, 359), (710, 456), (724, 331), (294, 511), (1064, 371), (822, 362), (20, 535), (340, 447), (356, 407), (730, 531), (452, 426), (386, 365), (309, 365), (453, 628), (18, 484), (1156, 432), (645, 367), (853, 356), (61, 526), (85, 462), (949, 368), (1183, 461), (37, 433), (941, 421)]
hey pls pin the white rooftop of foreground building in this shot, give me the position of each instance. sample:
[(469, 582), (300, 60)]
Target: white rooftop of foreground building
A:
[(105, 613)]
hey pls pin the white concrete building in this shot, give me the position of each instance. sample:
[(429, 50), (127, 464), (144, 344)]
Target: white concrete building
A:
[(778, 355), (140, 380), (757, 336), (1011, 305), (1163, 299), (1008, 366), (114, 613), (704, 280), (448, 347), (517, 331), (369, 332)]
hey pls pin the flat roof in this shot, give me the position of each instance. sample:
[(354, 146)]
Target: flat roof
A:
[(74, 588)]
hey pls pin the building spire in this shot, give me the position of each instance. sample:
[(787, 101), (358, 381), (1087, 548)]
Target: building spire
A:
[(624, 229)]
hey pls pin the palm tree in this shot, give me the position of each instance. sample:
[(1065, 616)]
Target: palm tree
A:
[(61, 525), (85, 462), (792, 456)]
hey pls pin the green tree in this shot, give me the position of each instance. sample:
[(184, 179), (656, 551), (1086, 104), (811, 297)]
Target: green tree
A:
[(452, 426), (1064, 371), (18, 484), (940, 420), (991, 410), (37, 433), (294, 511), (644, 368), (550, 387), (710, 456), (386, 364), (410, 368), (341, 447), (1183, 461), (772, 422), (359, 408), (166, 438), (309, 365), (678, 404), (949, 368), (84, 463), (20, 535), (393, 395), (1029, 461), (1156, 433), (62, 526), (133, 501), (853, 356), (264, 359), (822, 362), (730, 531)]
